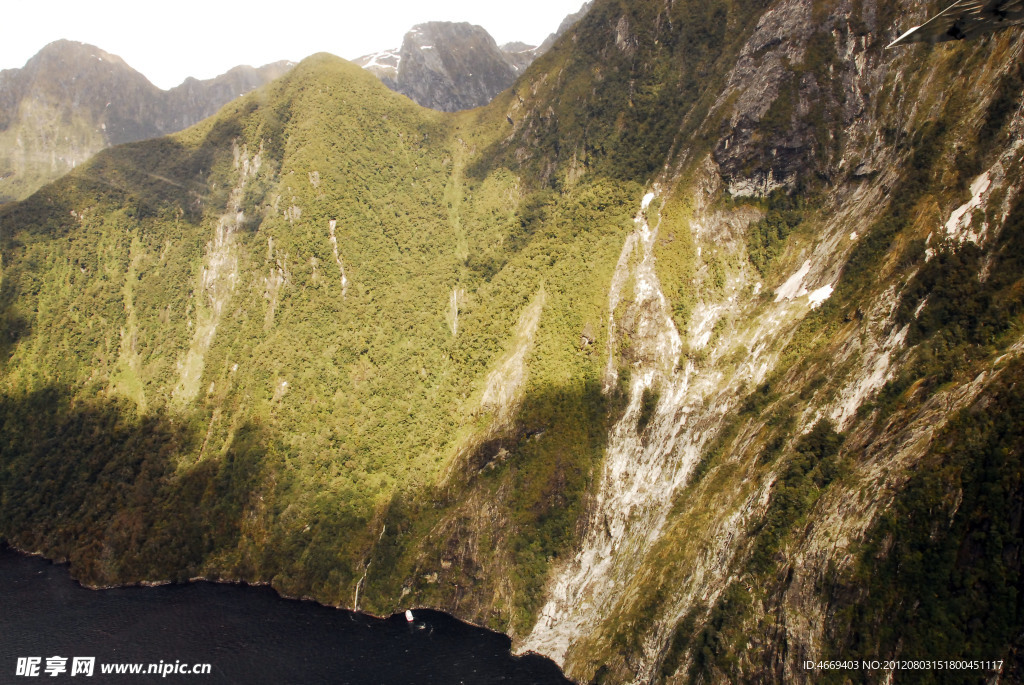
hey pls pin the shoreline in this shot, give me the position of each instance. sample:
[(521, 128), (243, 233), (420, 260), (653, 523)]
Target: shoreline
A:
[(264, 584)]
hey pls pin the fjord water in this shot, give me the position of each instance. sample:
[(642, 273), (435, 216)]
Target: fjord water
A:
[(249, 635)]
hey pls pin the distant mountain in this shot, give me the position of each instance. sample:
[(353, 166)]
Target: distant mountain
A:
[(444, 65), (519, 55), (72, 100), (455, 66), (383, 65)]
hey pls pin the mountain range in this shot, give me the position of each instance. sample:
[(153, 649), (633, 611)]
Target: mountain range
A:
[(693, 357), (72, 100)]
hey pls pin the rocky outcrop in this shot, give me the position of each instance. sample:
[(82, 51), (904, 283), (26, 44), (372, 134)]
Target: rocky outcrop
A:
[(450, 67), (772, 99)]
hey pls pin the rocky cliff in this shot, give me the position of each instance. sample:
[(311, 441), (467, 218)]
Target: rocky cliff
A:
[(451, 67), (71, 100), (445, 66), (706, 365)]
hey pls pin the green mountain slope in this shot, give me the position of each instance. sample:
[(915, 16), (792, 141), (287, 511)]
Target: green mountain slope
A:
[(331, 305), (690, 358)]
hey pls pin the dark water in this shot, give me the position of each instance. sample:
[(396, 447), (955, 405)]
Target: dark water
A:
[(248, 635)]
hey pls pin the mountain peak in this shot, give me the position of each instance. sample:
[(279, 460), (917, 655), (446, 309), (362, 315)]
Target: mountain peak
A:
[(72, 99), (64, 48), (452, 66)]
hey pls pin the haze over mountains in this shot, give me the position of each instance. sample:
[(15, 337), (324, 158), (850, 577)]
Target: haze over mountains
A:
[(696, 355), (72, 100)]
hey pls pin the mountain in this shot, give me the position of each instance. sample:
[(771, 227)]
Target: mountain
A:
[(383, 65), (519, 55), (445, 66), (706, 366), (451, 67), (567, 23), (71, 100)]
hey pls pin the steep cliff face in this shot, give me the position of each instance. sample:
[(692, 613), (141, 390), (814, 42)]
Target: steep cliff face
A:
[(451, 67), (72, 100), (706, 365), (745, 549)]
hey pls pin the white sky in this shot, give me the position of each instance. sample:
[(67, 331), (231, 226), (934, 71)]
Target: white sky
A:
[(168, 41)]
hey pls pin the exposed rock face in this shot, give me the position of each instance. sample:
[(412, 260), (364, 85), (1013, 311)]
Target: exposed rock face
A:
[(519, 55), (779, 103), (72, 100), (809, 97), (450, 67)]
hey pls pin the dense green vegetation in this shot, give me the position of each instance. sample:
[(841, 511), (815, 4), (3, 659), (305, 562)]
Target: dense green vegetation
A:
[(768, 237), (354, 348), (348, 403), (940, 572), (104, 479), (802, 479)]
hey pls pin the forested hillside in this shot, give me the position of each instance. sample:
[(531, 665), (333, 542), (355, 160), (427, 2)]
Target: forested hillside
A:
[(693, 356)]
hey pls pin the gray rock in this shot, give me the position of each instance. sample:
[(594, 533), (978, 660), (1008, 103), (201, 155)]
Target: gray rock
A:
[(71, 100), (455, 66)]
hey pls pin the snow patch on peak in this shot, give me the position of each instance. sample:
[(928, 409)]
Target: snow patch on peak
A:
[(385, 61)]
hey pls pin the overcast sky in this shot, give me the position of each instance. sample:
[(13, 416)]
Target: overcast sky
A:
[(168, 41)]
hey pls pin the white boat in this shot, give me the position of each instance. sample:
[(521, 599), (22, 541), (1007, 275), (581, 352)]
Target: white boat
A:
[(408, 615)]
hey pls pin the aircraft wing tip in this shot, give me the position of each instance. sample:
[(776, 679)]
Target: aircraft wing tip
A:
[(903, 38)]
